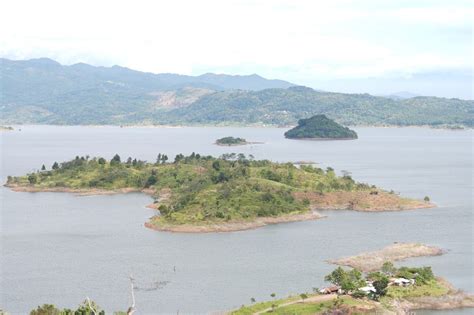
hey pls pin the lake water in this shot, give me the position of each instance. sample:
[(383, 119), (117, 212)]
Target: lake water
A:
[(59, 248)]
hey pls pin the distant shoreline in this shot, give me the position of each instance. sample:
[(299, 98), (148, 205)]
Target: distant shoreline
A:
[(219, 227), (236, 126)]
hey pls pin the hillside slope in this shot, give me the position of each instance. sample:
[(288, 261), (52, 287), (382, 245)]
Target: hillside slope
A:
[(42, 91)]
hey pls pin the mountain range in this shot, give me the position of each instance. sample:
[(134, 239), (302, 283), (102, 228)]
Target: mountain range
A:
[(42, 91)]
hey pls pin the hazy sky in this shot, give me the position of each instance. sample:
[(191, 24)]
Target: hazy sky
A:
[(380, 47)]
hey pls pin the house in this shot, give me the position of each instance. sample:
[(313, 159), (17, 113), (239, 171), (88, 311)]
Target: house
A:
[(368, 289), (402, 282), (331, 289)]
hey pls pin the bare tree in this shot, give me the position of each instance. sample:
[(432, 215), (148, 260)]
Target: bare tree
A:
[(131, 309)]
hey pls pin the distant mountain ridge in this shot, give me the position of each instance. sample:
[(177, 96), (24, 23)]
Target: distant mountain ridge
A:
[(42, 91)]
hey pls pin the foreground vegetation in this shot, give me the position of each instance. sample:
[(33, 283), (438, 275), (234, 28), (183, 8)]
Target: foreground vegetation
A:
[(203, 190), (384, 296), (320, 127)]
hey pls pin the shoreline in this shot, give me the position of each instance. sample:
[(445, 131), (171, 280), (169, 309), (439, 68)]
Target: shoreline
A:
[(373, 260), (222, 227), (79, 191), (237, 144), (321, 139), (334, 201), (362, 201), (234, 126), (454, 299)]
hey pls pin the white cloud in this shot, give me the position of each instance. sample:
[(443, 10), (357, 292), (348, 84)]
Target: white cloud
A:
[(296, 40)]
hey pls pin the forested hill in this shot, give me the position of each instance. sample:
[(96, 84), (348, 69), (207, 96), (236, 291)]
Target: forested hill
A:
[(42, 91), (287, 106)]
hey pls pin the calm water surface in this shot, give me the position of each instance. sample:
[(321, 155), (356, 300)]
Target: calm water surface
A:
[(59, 248)]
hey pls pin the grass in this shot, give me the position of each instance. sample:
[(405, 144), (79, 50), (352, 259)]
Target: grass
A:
[(260, 306), (300, 308), (432, 288)]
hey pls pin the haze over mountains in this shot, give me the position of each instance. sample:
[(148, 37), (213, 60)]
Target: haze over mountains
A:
[(46, 92)]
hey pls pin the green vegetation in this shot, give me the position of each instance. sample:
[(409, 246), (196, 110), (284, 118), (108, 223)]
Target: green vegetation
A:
[(230, 141), (86, 308), (84, 94), (347, 280), (199, 189), (353, 300), (320, 127), (297, 305)]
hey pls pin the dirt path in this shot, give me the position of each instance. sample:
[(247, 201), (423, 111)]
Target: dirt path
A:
[(313, 299)]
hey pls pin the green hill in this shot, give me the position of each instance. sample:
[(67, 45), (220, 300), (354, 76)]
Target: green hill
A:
[(41, 91), (320, 127), (200, 190)]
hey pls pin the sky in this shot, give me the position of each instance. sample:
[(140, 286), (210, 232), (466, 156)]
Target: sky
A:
[(373, 46)]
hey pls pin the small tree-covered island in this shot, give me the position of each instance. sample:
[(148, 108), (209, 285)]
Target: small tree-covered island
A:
[(198, 193), (231, 141), (319, 127)]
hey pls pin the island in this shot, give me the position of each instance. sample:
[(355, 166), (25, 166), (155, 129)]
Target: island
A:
[(385, 290), (374, 260), (6, 128), (319, 127), (198, 193), (231, 141)]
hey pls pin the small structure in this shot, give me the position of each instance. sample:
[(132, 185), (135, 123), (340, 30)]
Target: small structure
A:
[(402, 282), (368, 289), (331, 289)]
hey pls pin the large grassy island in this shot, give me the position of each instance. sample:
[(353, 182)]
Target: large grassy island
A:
[(320, 127), (206, 194)]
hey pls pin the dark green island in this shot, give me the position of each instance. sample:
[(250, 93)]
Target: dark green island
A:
[(319, 127), (231, 141)]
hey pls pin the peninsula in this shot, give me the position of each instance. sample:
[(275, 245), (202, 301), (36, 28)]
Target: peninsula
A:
[(319, 127), (198, 193), (374, 260), (388, 290)]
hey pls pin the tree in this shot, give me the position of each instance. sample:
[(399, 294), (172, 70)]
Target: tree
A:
[(89, 307), (46, 309), (115, 160), (55, 166), (32, 179), (388, 268), (216, 165), (101, 161), (426, 199), (347, 280), (152, 180), (273, 295), (303, 296), (380, 286), (253, 300), (43, 168), (336, 277)]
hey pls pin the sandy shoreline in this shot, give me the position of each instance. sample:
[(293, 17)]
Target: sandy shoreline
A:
[(237, 144), (372, 261), (155, 224), (79, 191), (363, 201)]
